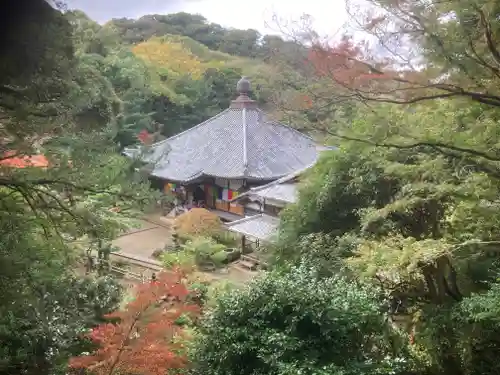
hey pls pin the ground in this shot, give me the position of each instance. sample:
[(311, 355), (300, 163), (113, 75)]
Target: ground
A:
[(155, 233)]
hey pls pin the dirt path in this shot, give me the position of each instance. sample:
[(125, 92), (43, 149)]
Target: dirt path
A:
[(155, 233), (152, 235)]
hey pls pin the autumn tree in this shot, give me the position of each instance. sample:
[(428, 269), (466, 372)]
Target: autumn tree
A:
[(403, 52), (144, 339), (198, 222), (170, 56), (416, 50), (239, 42)]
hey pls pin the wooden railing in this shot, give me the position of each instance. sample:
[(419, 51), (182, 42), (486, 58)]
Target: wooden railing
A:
[(126, 273), (144, 268)]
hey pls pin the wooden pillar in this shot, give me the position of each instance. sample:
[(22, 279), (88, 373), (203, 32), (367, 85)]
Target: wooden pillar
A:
[(227, 203), (243, 244)]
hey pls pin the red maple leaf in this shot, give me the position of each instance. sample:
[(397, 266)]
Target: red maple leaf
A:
[(145, 340), (144, 136)]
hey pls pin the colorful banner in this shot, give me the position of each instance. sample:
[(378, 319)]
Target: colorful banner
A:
[(219, 193), (170, 187)]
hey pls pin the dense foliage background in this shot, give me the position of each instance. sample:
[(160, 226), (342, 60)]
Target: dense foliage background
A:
[(387, 264)]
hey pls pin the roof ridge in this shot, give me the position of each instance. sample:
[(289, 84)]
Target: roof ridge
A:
[(252, 135), (245, 143)]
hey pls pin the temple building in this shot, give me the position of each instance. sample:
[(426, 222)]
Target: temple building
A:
[(262, 205), (271, 198), (229, 154)]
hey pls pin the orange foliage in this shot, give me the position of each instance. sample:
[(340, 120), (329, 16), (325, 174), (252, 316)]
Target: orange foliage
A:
[(356, 75), (341, 62), (198, 221), (142, 342)]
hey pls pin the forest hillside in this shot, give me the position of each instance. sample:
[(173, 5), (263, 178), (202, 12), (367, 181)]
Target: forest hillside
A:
[(167, 73), (386, 264)]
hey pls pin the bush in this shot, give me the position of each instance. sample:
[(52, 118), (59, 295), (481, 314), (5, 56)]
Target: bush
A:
[(181, 258), (184, 238), (157, 253), (216, 289), (199, 290), (226, 238), (220, 258), (198, 251), (198, 222), (291, 323)]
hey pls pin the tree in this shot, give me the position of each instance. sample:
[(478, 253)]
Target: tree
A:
[(172, 58), (414, 220), (240, 42), (408, 52), (453, 41), (191, 25), (84, 191), (233, 41), (277, 326), (145, 339), (45, 308)]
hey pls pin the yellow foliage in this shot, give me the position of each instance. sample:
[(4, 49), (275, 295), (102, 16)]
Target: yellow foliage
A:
[(171, 56), (198, 221), (202, 52), (397, 258)]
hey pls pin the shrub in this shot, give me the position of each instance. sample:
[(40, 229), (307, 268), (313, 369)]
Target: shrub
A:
[(199, 290), (197, 251), (216, 289), (220, 258), (184, 238), (226, 238), (198, 222), (296, 322), (181, 258), (157, 253)]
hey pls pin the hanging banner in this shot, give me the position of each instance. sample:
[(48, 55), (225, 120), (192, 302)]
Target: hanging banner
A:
[(170, 187)]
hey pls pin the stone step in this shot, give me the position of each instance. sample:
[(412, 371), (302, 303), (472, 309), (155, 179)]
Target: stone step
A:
[(250, 258), (246, 265)]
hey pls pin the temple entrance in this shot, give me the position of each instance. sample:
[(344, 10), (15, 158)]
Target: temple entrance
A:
[(209, 197), (198, 195)]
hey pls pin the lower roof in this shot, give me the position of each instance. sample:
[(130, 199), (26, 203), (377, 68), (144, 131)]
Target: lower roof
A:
[(282, 190), (261, 226)]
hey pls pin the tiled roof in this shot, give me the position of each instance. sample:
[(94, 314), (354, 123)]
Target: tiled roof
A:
[(286, 193), (262, 227), (23, 161), (283, 189), (237, 143)]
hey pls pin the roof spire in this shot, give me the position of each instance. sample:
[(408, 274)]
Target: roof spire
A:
[(243, 86), (243, 100)]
